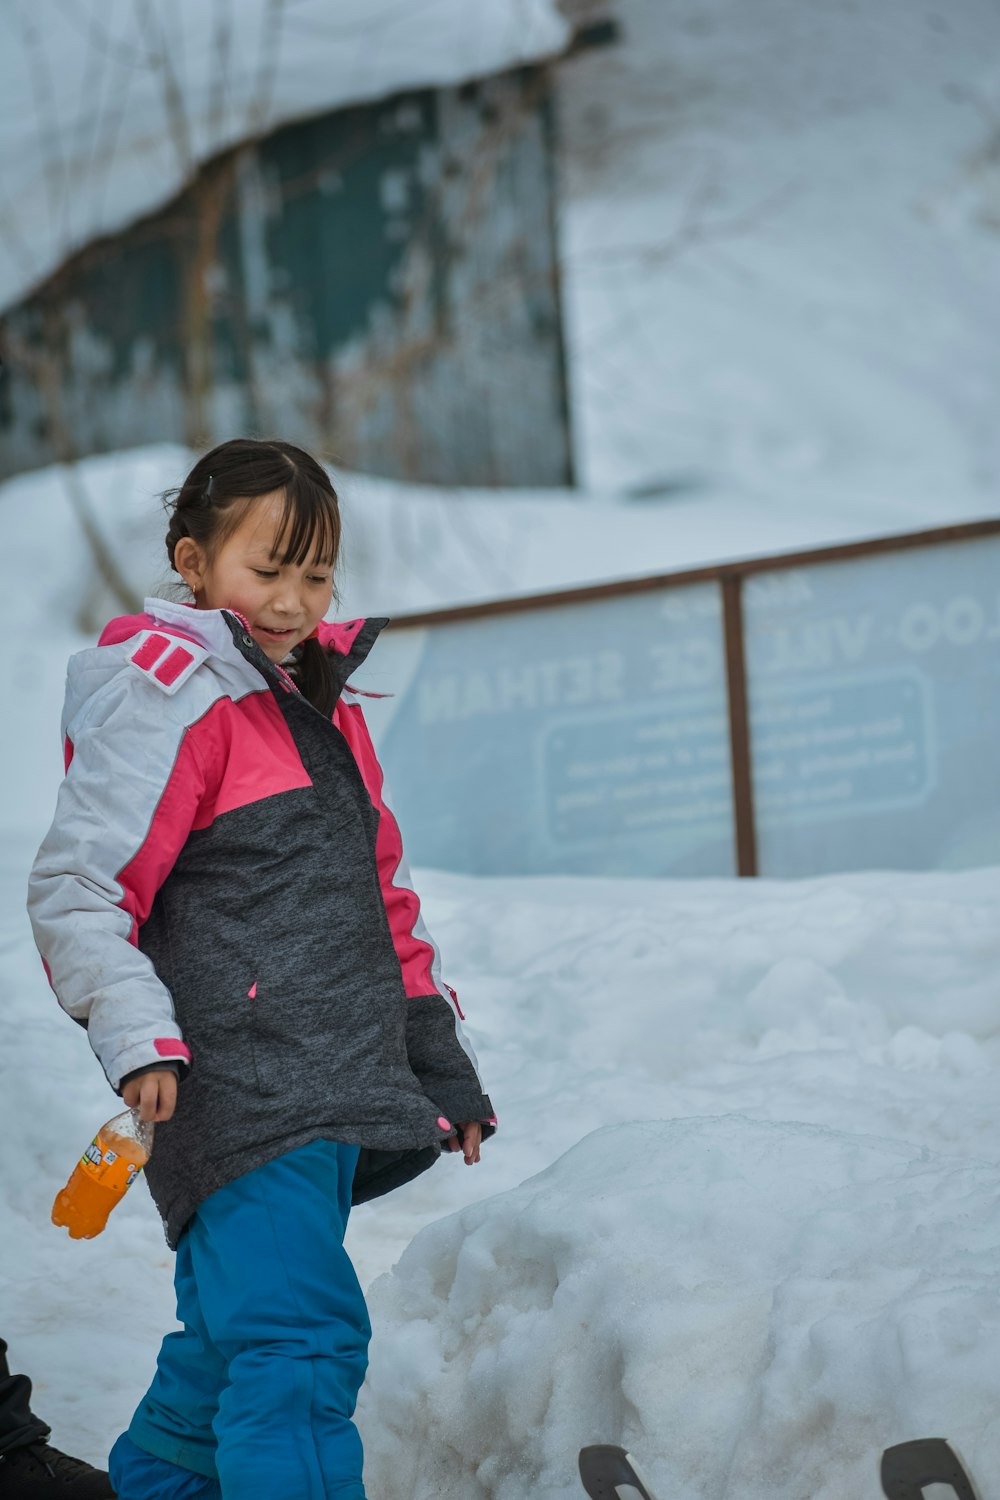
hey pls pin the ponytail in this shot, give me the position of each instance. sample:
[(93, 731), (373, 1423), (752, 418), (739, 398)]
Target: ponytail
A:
[(314, 677)]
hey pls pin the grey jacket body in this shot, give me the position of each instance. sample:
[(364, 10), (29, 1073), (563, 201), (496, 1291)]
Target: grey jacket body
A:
[(223, 888)]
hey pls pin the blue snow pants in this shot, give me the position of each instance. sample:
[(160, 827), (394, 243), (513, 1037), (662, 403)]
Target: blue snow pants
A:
[(253, 1398)]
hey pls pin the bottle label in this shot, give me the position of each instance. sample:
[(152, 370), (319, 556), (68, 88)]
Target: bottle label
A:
[(103, 1164)]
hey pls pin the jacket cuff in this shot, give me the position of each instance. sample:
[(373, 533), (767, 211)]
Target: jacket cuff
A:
[(168, 1065), (461, 1105), (489, 1128), (145, 1056)]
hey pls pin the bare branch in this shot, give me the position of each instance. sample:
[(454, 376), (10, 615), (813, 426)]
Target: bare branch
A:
[(694, 229), (79, 498), (43, 100), (100, 39), (44, 366), (222, 50), (106, 149), (267, 67), (10, 234), (173, 98)]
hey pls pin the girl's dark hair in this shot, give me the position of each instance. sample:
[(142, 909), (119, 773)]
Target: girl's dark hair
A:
[(213, 500)]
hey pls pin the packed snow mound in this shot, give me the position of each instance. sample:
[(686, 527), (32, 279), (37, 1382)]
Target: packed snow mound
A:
[(756, 1309), (107, 116), (851, 1022)]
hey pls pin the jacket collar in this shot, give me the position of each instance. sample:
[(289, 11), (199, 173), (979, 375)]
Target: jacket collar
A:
[(223, 633)]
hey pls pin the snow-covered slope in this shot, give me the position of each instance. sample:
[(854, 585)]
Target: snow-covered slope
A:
[(776, 1254), (781, 232), (106, 110)]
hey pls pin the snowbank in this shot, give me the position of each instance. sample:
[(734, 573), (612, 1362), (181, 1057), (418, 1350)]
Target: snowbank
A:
[(756, 1309), (772, 1242)]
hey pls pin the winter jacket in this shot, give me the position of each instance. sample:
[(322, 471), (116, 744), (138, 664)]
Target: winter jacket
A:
[(224, 887)]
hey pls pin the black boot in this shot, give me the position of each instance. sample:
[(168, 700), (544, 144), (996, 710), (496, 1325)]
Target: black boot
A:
[(38, 1472)]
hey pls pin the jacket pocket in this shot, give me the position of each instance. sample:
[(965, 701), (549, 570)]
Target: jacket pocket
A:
[(261, 1050)]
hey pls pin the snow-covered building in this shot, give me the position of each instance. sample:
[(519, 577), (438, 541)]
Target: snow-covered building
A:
[(324, 235)]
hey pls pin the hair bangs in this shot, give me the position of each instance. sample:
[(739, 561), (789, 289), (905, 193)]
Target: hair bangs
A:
[(310, 524)]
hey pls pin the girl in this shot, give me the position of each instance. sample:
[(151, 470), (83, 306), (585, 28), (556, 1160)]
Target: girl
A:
[(222, 901)]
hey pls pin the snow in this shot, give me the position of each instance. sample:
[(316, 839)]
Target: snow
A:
[(741, 1214), (751, 1307), (108, 110), (780, 240), (759, 1238)]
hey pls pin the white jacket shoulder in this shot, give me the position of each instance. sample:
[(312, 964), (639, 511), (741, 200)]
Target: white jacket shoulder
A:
[(151, 668), (163, 659)]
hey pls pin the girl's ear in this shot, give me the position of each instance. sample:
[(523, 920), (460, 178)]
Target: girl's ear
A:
[(189, 562)]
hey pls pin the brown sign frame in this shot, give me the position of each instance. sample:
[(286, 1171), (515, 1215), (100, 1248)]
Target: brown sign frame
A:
[(730, 578)]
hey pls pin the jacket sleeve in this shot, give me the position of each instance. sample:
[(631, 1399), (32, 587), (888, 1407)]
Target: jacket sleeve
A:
[(439, 1050), (125, 808)]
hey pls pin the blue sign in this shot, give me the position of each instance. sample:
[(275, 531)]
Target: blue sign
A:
[(588, 739), (594, 739), (874, 688)]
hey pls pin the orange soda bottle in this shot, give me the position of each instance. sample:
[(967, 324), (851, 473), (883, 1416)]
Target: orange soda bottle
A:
[(103, 1175)]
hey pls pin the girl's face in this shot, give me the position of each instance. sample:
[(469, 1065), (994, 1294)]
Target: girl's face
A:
[(283, 602)]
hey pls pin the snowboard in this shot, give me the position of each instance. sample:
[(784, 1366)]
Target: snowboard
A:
[(610, 1473)]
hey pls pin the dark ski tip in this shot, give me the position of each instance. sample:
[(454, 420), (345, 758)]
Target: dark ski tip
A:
[(612, 1474), (908, 1467)]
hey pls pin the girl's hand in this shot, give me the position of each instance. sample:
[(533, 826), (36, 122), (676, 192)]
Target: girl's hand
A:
[(472, 1139), (155, 1094)]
